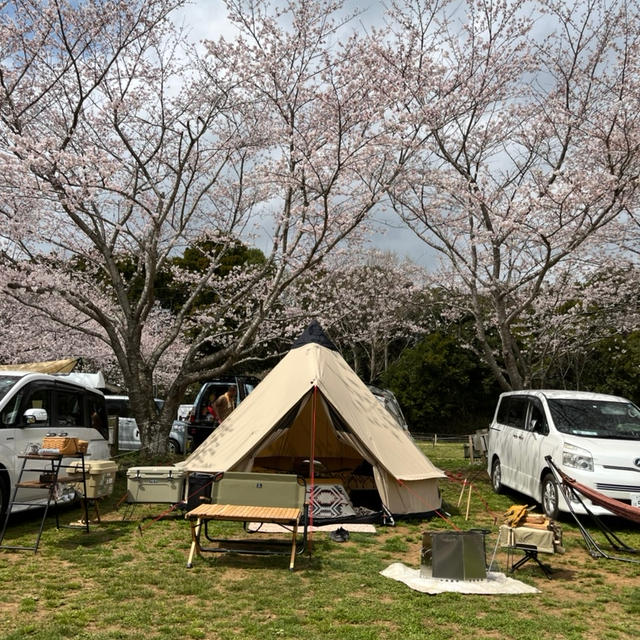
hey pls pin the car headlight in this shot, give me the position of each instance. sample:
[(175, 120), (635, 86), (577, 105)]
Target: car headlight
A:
[(577, 458), (178, 427)]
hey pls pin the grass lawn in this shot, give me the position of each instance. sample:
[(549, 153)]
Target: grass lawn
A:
[(128, 579)]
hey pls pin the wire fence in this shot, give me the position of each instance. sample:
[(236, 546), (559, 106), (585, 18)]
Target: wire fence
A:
[(474, 445), (439, 437)]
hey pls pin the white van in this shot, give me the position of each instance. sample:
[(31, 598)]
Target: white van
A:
[(593, 438), (33, 405)]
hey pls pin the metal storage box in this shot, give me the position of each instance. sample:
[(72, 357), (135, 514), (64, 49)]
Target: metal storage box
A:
[(100, 476), (258, 489), (155, 484), (454, 555), (199, 489)]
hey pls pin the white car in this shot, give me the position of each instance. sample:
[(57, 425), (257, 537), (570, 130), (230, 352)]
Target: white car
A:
[(34, 405), (593, 438), (128, 432)]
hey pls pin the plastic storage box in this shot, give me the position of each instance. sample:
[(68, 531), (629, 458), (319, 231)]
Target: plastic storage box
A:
[(100, 476), (155, 484)]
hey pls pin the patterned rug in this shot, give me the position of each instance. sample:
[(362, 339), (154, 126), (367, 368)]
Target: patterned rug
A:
[(330, 501)]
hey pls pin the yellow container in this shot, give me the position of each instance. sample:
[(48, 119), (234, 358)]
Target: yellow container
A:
[(100, 477)]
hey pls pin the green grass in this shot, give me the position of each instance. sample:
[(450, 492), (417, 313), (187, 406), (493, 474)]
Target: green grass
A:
[(128, 579)]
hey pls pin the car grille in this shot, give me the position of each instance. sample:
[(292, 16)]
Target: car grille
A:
[(631, 488)]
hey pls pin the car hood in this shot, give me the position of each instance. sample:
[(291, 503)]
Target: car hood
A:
[(608, 451)]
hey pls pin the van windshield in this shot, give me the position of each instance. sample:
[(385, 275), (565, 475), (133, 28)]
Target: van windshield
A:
[(6, 383), (596, 419)]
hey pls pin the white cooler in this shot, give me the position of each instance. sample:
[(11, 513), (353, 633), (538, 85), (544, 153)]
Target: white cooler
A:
[(155, 484), (100, 476)]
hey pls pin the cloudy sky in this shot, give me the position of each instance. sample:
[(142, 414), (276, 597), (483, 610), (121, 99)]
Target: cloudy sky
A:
[(207, 18)]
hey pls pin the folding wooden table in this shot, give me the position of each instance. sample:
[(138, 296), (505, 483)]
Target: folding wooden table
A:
[(204, 513)]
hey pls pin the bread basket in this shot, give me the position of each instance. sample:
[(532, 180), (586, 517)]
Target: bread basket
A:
[(65, 445)]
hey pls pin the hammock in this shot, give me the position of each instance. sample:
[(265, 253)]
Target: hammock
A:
[(616, 507), (573, 489)]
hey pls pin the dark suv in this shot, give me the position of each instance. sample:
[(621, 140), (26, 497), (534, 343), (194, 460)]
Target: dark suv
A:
[(201, 423)]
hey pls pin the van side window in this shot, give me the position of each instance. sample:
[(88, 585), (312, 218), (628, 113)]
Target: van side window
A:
[(212, 392), (118, 407), (513, 411), (70, 409), (97, 416), (11, 412), (537, 419)]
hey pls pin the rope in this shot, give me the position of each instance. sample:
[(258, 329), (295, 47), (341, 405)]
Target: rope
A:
[(421, 499), (162, 515), (461, 480), (175, 506), (455, 478)]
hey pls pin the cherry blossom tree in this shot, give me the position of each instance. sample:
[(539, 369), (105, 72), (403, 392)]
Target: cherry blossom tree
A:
[(543, 157), (121, 146), (602, 314), (372, 304), (30, 335)]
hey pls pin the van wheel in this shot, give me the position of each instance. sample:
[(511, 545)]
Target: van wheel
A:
[(4, 495), (496, 476), (550, 496), (173, 446)]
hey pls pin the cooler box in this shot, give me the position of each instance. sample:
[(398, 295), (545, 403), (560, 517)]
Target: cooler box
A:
[(155, 484), (259, 489), (100, 476)]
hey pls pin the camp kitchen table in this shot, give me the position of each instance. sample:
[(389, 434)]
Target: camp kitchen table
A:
[(250, 497), (49, 466), (530, 541)]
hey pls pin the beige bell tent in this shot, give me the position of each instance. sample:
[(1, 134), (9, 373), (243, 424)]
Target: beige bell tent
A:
[(313, 416)]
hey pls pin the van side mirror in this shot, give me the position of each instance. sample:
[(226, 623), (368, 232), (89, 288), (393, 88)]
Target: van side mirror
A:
[(35, 416)]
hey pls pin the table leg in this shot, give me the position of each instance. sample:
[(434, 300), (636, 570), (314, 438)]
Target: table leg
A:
[(293, 546), (195, 541)]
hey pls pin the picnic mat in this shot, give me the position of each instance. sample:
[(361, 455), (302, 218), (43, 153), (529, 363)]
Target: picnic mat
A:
[(495, 583)]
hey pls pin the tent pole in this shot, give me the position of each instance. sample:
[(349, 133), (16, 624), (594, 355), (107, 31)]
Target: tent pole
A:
[(312, 465)]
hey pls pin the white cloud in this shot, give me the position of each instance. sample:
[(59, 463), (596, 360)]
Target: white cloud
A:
[(205, 20)]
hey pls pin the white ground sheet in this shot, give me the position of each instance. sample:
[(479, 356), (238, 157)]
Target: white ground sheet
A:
[(495, 583), (353, 527)]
